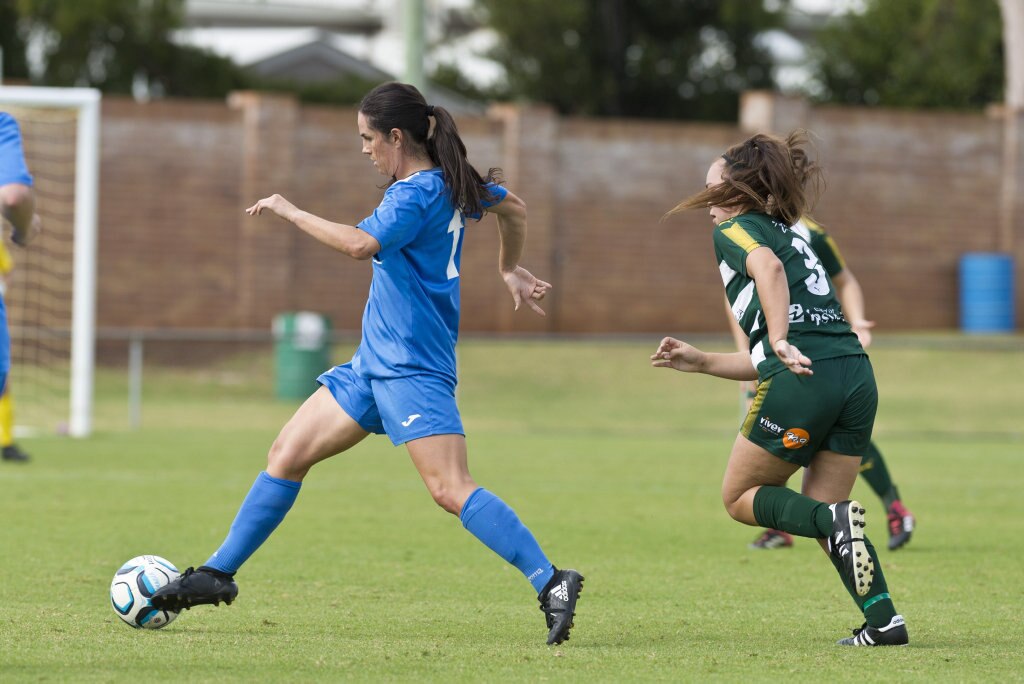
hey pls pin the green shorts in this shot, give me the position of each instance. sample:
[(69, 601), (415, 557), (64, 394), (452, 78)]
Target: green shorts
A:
[(796, 416)]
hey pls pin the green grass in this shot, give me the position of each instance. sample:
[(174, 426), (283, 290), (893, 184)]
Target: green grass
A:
[(615, 467)]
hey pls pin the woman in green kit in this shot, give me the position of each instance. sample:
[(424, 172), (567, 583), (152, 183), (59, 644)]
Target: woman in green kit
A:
[(816, 395), (873, 467)]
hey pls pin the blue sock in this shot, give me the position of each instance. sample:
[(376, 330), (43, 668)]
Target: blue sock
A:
[(264, 508), (491, 521)]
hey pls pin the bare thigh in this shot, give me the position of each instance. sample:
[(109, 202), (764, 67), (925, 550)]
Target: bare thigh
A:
[(319, 429), (751, 467), (443, 464), (830, 478)]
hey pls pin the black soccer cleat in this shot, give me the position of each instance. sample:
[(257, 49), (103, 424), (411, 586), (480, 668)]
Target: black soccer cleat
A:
[(893, 634), (846, 544), (12, 453), (196, 587), (558, 602)]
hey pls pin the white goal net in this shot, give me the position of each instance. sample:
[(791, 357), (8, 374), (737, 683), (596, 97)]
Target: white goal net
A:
[(50, 293)]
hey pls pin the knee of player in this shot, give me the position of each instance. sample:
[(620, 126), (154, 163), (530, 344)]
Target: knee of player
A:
[(282, 461), (445, 497), (14, 195), (732, 504)]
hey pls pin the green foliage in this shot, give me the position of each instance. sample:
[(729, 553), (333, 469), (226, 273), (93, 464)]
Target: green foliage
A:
[(915, 53), (110, 44), (11, 42), (685, 59), (614, 466)]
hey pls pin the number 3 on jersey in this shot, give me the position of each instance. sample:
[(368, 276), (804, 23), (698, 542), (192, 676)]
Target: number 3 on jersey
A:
[(817, 282), (455, 228)]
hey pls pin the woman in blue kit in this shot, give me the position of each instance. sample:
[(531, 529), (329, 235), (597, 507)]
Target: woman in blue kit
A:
[(17, 207), (401, 380)]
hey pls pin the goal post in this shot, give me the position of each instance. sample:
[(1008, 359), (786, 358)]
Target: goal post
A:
[(85, 102)]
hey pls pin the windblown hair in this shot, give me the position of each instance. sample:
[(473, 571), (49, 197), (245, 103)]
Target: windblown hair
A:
[(767, 174), (402, 106)]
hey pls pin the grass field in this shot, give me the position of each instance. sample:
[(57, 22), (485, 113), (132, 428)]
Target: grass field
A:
[(616, 468)]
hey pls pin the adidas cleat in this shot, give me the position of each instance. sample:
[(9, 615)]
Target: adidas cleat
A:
[(846, 544), (893, 634), (558, 601), (772, 539), (901, 525), (204, 586)]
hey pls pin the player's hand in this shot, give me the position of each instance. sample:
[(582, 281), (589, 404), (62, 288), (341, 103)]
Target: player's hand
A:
[(276, 204), (35, 227), (525, 287), (673, 353), (792, 357), (862, 329)]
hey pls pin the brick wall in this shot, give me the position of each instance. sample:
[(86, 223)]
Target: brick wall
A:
[(908, 193)]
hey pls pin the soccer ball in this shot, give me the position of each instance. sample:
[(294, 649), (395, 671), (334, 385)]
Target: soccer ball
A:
[(133, 586)]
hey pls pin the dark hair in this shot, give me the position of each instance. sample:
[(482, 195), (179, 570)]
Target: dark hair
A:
[(764, 173), (402, 106)]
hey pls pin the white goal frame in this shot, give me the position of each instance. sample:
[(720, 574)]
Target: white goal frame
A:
[(87, 167)]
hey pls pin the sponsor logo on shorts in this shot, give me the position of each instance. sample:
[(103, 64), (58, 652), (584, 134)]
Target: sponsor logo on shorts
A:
[(795, 438), (408, 421), (768, 426)]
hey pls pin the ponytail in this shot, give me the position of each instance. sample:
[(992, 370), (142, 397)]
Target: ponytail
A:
[(465, 184)]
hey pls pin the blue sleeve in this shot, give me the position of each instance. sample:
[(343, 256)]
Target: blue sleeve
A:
[(493, 194), (399, 218), (12, 157)]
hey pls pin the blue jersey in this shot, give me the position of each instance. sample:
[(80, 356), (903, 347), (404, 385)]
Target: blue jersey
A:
[(12, 158), (411, 320)]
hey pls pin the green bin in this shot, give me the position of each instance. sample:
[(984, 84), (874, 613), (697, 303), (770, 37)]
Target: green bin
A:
[(301, 352)]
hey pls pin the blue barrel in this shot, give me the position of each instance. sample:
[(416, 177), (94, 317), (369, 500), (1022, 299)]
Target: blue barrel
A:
[(986, 293)]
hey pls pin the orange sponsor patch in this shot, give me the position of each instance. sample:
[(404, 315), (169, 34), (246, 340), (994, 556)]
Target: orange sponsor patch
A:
[(794, 438)]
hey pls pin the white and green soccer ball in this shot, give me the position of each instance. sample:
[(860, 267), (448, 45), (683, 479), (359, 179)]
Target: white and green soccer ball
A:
[(133, 586)]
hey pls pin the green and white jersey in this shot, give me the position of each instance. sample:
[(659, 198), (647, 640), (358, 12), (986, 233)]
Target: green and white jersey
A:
[(822, 244), (816, 322)]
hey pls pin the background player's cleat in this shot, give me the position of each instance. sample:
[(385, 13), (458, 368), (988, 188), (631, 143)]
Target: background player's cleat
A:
[(846, 544), (772, 539), (13, 453), (196, 587), (558, 601), (901, 525), (893, 634)]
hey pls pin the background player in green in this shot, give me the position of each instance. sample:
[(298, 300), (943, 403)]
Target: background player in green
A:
[(872, 467), (819, 419)]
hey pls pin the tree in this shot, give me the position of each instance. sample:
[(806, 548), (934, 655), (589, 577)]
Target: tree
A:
[(685, 59), (116, 45), (914, 53), (11, 43)]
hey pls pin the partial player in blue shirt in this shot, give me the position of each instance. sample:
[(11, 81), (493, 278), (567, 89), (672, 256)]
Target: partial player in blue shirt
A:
[(401, 380), (18, 207)]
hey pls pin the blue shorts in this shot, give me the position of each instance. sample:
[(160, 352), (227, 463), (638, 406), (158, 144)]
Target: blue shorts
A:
[(12, 158), (404, 409)]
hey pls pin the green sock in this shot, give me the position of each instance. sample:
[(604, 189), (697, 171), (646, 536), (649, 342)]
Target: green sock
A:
[(877, 607), (874, 470), (780, 508)]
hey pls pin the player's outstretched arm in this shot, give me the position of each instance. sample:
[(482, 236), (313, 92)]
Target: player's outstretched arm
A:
[(349, 240), (523, 285), (852, 299), (673, 353)]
